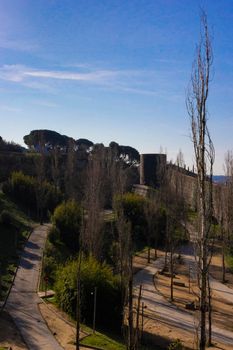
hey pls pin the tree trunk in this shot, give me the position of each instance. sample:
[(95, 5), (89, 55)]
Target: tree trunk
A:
[(130, 317), (209, 313), (138, 314), (172, 278), (204, 156), (223, 253), (78, 307), (148, 255)]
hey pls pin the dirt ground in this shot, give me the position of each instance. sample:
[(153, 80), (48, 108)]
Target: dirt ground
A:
[(64, 331), (60, 325), (222, 310)]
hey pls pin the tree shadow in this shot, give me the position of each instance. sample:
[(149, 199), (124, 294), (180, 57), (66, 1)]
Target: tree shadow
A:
[(32, 245), (158, 342), (26, 264), (31, 256), (152, 340)]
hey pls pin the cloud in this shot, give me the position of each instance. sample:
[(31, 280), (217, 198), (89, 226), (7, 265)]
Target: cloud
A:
[(96, 76), (12, 73), (36, 78), (143, 82), (20, 73)]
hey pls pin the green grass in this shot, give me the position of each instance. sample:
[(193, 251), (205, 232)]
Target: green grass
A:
[(101, 340), (19, 216), (109, 341)]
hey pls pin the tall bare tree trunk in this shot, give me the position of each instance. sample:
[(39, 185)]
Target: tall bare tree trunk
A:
[(209, 312), (40, 167), (137, 319), (78, 307), (204, 156), (130, 307)]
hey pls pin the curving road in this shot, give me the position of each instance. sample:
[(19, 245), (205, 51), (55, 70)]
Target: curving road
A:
[(23, 300), (163, 310)]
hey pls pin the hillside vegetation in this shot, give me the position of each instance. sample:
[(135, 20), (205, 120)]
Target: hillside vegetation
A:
[(15, 226)]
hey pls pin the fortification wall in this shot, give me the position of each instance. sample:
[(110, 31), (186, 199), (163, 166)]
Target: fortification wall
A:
[(153, 168)]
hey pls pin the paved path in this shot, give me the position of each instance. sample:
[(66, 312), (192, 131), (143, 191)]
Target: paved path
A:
[(165, 311), (218, 287), (23, 300)]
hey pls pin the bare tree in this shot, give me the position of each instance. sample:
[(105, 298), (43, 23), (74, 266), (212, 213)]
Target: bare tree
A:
[(70, 173), (221, 214), (204, 157), (151, 215), (40, 167), (55, 168), (94, 203), (228, 194), (176, 211)]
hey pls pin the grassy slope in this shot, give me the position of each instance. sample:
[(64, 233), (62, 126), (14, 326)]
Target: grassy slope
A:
[(12, 238), (109, 342), (102, 340)]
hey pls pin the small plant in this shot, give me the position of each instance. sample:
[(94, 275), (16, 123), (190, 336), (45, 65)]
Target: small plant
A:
[(176, 345)]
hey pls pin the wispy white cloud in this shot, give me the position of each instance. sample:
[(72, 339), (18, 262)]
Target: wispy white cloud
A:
[(14, 73), (91, 76), (151, 83), (20, 73)]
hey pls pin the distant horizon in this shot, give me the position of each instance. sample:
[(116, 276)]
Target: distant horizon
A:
[(107, 145)]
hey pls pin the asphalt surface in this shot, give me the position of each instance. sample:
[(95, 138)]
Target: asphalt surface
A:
[(161, 309), (23, 300)]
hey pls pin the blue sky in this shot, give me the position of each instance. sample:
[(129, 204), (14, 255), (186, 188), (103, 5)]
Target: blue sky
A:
[(113, 70)]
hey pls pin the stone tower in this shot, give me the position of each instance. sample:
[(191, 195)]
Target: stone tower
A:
[(152, 169)]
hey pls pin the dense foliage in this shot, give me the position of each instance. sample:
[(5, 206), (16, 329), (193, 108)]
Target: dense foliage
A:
[(93, 274), (14, 228), (127, 153), (133, 209), (39, 137), (25, 190), (67, 224)]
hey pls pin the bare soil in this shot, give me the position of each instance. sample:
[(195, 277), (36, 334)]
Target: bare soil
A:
[(60, 325), (222, 310), (63, 331)]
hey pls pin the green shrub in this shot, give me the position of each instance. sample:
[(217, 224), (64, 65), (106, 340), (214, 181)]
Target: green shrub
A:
[(53, 234), (67, 221), (176, 345), (26, 191), (133, 208), (21, 188), (93, 274)]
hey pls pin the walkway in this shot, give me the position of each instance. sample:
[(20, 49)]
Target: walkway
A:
[(23, 300), (167, 312)]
